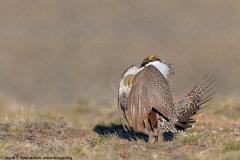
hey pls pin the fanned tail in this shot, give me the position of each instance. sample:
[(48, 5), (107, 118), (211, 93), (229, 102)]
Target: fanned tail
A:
[(194, 101)]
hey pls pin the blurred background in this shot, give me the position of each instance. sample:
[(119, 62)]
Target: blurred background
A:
[(60, 52)]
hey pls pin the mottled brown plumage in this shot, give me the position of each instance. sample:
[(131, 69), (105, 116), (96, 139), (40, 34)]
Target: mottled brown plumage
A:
[(149, 85), (146, 103), (193, 102)]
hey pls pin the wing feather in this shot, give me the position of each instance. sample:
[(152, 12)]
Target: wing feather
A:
[(149, 90)]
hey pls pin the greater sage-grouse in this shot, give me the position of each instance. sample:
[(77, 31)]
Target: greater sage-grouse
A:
[(146, 104)]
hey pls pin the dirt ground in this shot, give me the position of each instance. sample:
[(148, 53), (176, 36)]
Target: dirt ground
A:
[(83, 132)]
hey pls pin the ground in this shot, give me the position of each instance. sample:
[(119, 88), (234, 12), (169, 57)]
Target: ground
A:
[(83, 132)]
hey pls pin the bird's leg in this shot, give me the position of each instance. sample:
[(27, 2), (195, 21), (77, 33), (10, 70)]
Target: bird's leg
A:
[(151, 137), (160, 137), (149, 131)]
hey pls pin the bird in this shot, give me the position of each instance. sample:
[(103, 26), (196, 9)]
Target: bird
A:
[(145, 101)]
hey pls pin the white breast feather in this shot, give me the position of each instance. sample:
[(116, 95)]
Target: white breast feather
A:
[(162, 67), (126, 89)]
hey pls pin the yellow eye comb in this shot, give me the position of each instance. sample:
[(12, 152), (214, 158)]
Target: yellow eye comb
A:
[(151, 57)]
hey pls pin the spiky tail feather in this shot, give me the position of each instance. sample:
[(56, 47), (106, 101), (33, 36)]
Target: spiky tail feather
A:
[(194, 101)]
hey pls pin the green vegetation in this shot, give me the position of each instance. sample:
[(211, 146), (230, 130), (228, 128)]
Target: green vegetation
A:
[(233, 146)]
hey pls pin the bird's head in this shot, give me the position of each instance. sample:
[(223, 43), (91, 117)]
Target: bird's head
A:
[(151, 58), (165, 68)]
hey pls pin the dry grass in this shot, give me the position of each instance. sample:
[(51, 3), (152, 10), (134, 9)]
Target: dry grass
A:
[(95, 133)]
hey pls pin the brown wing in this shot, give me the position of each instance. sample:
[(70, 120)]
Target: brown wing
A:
[(150, 89)]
